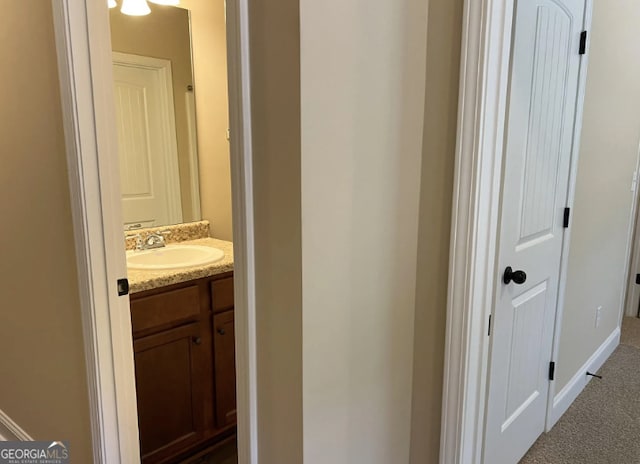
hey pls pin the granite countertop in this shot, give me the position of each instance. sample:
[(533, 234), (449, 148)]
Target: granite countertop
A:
[(141, 280)]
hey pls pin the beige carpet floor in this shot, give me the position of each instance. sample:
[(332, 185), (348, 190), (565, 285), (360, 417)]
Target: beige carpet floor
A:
[(603, 425)]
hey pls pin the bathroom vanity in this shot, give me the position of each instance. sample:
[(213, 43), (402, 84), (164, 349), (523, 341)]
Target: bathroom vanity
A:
[(184, 350)]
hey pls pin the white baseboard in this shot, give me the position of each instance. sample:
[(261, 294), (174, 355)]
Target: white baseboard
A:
[(10, 431), (570, 392)]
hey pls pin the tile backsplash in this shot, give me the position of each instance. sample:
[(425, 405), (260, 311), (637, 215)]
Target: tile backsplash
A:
[(176, 233)]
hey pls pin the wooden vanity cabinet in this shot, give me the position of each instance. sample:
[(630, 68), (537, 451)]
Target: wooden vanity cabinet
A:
[(225, 368), (170, 366), (184, 352)]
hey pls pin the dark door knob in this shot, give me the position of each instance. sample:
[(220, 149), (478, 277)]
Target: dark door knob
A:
[(221, 331), (197, 340), (518, 277)]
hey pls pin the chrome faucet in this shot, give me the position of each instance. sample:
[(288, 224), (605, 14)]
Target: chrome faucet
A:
[(151, 241)]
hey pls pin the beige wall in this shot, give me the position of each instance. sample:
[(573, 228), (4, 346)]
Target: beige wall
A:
[(363, 87), (601, 216), (210, 72), (440, 126), (42, 370), (275, 87), (380, 151), (164, 34)]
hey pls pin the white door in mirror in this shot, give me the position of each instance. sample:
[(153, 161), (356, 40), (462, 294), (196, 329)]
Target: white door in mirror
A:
[(173, 257), (147, 145)]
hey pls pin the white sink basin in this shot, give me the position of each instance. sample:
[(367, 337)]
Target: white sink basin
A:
[(173, 257)]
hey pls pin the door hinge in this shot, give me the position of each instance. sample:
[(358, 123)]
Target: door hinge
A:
[(489, 331), (123, 287), (552, 370), (567, 216), (583, 42), (637, 279)]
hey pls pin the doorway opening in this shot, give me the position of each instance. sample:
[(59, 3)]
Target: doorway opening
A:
[(511, 371), (497, 136), (170, 85), (169, 348)]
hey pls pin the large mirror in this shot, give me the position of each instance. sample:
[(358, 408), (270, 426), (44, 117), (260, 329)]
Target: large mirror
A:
[(156, 117)]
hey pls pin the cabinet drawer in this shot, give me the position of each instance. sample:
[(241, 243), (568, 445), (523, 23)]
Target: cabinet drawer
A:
[(222, 294), (164, 309)]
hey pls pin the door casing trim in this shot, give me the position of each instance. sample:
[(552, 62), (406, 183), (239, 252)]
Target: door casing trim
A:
[(631, 292), (573, 177), (484, 75), (170, 155)]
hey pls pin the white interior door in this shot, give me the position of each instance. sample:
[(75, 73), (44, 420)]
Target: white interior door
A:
[(539, 138), (147, 143)]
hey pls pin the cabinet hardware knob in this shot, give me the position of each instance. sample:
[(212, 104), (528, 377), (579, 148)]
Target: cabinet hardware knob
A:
[(197, 340), (221, 331)]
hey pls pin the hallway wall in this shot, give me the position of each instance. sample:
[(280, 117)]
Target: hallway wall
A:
[(209, 42), (601, 222), (362, 120), (43, 380), (402, 179), (275, 94)]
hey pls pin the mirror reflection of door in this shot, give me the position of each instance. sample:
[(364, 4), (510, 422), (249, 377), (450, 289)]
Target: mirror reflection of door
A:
[(148, 149), (155, 104)]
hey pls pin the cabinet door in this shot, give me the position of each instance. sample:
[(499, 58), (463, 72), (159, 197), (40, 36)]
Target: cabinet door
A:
[(225, 368), (171, 372)]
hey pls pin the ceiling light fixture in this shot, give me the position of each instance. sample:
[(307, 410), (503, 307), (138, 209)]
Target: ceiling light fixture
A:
[(135, 7), (166, 2)]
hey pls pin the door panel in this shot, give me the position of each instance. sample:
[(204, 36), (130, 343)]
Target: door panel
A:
[(539, 139), (526, 337), (543, 138)]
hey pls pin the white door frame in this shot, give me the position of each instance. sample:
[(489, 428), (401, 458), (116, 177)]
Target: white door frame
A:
[(632, 290), (484, 77), (168, 117), (86, 81)]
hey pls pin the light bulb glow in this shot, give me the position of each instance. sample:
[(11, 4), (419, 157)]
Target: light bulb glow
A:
[(166, 2), (112, 3), (135, 7)]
